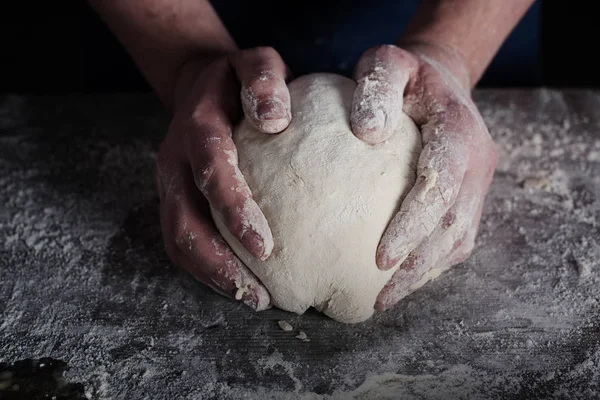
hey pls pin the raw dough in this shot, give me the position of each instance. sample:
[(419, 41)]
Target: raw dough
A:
[(327, 197)]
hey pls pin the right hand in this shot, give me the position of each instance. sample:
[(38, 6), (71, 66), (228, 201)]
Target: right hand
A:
[(197, 167)]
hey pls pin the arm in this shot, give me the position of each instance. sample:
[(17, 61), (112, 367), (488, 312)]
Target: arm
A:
[(162, 35), (472, 29), (193, 64)]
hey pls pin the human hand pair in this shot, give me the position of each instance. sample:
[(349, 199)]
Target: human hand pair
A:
[(197, 163)]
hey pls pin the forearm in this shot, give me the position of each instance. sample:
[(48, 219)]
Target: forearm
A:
[(472, 29), (162, 35)]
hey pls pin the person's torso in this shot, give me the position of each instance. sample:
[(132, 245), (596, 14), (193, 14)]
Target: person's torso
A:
[(331, 35)]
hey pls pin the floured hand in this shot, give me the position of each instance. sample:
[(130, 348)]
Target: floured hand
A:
[(197, 168), (436, 225)]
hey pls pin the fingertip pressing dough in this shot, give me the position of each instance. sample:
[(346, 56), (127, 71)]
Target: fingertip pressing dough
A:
[(328, 197)]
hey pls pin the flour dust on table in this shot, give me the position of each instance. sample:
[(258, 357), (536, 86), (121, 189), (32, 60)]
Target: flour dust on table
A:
[(328, 198)]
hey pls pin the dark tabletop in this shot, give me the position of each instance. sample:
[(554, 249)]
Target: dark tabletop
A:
[(91, 306)]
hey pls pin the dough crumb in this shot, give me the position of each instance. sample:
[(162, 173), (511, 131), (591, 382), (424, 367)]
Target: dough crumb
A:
[(286, 326), (537, 183), (302, 336), (239, 293)]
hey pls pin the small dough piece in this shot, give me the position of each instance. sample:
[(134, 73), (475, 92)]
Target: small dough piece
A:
[(285, 326), (328, 198)]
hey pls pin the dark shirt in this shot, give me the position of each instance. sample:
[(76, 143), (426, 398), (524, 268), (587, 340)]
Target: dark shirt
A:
[(331, 35), (64, 46)]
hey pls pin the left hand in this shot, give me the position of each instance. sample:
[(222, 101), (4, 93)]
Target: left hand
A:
[(436, 224)]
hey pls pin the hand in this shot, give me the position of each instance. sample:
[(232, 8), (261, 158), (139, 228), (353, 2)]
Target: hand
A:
[(436, 224), (197, 167)]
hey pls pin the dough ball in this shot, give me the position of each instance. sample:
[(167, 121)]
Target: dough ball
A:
[(328, 197)]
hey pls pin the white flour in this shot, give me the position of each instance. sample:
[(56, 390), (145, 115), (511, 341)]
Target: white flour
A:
[(83, 277)]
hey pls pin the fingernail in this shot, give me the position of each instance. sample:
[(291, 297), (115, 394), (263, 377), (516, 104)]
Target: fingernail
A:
[(372, 122), (369, 126), (254, 243), (272, 117), (256, 298), (369, 120), (270, 110)]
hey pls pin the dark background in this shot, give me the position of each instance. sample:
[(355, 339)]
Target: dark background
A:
[(64, 47)]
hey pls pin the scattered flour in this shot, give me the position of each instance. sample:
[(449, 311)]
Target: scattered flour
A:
[(84, 279)]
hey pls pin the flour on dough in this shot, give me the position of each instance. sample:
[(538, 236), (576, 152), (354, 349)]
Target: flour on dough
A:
[(327, 197)]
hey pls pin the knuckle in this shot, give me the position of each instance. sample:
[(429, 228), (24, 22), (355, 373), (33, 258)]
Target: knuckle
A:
[(205, 128), (209, 149), (455, 109), (229, 213), (464, 248), (411, 262), (385, 51), (454, 112), (262, 84), (208, 163), (266, 52), (448, 190), (262, 62), (375, 61), (389, 54), (448, 220), (208, 152)]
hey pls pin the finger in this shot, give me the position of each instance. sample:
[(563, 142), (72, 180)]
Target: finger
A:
[(195, 244), (462, 252), (265, 96), (213, 158), (382, 74), (456, 232), (448, 136), (440, 173)]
